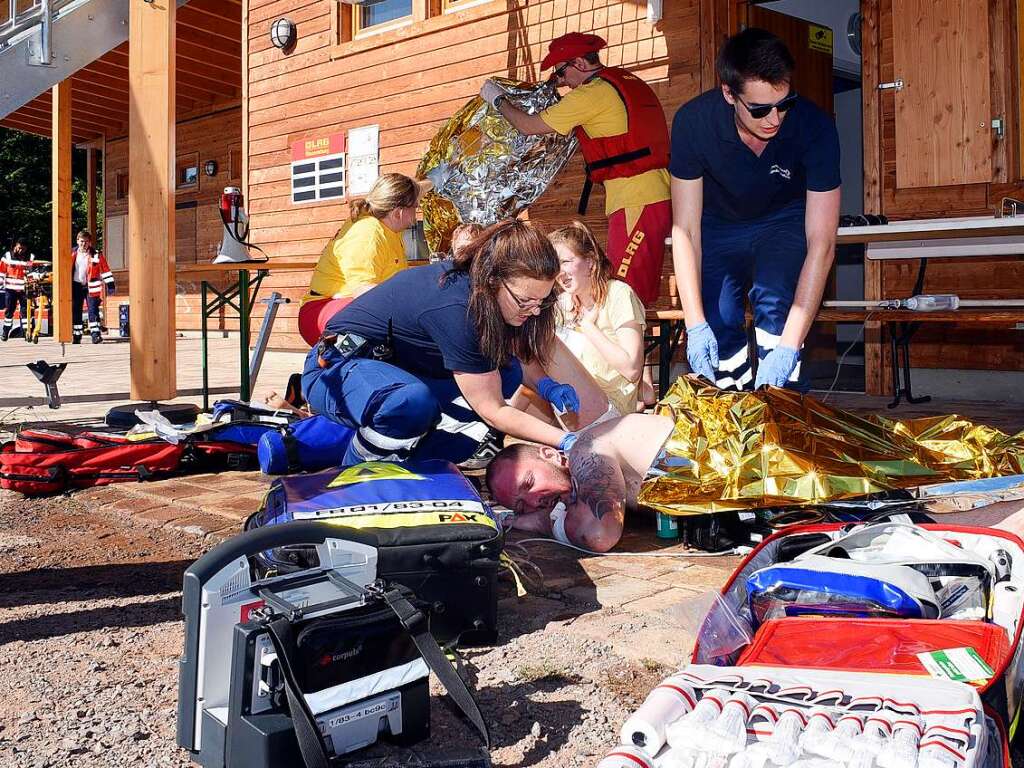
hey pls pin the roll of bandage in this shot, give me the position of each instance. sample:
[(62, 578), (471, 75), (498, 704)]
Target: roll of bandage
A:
[(625, 756), (669, 701), (1007, 601)]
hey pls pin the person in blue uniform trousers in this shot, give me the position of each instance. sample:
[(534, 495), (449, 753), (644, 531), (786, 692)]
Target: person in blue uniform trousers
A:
[(755, 206), (444, 347)]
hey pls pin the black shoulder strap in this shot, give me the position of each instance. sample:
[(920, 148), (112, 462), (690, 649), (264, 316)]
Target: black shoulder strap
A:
[(415, 623), (311, 745)]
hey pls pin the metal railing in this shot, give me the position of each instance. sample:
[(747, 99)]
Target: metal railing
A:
[(36, 18)]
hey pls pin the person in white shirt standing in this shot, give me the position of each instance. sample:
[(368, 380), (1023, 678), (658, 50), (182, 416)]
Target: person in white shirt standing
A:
[(90, 272)]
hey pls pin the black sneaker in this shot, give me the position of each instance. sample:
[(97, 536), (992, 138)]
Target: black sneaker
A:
[(485, 451), (6, 333), (96, 338), (76, 339)]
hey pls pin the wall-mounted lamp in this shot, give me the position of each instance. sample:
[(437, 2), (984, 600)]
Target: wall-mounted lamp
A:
[(210, 167), (282, 34)]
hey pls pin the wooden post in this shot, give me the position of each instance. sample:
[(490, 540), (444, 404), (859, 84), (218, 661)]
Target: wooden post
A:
[(151, 50), (61, 193), (90, 191), (875, 379)]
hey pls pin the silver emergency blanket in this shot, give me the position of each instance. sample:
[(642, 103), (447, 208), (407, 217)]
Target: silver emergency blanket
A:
[(484, 170)]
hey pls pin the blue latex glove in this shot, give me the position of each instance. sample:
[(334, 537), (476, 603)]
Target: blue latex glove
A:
[(568, 442), (561, 396), (111, 287), (777, 367), (702, 351)]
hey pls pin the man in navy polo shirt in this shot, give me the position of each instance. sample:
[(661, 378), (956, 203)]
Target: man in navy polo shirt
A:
[(755, 206)]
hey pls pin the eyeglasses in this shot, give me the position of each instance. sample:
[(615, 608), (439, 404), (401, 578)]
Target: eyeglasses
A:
[(528, 305), (758, 111), (561, 70)]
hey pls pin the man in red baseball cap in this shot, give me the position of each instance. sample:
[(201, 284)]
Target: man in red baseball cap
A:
[(624, 137)]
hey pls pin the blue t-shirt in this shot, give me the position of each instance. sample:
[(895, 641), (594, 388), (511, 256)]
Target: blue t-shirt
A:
[(432, 332), (739, 185)]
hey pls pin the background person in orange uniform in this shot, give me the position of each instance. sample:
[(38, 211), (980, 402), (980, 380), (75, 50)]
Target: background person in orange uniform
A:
[(366, 251), (624, 137)]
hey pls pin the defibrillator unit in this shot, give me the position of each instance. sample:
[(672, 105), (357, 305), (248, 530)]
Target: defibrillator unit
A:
[(303, 668)]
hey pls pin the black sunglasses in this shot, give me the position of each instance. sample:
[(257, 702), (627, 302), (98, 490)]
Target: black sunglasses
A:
[(528, 305), (561, 70), (758, 111)]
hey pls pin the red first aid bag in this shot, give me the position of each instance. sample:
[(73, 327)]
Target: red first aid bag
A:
[(55, 470)]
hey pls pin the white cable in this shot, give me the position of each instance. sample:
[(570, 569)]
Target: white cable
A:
[(733, 551), (847, 351)]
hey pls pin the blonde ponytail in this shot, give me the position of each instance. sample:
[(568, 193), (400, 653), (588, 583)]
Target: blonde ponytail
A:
[(389, 191)]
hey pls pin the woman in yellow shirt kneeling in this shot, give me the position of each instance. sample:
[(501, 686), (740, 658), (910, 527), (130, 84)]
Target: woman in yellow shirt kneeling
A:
[(366, 251)]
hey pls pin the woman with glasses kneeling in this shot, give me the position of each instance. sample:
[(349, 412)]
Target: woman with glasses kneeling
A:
[(424, 363)]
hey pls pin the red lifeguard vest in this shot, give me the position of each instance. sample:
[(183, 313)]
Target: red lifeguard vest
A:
[(643, 147)]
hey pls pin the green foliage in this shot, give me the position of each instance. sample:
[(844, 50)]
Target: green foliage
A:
[(25, 200)]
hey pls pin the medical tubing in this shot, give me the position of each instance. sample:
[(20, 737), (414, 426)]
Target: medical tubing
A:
[(901, 750), (690, 729)]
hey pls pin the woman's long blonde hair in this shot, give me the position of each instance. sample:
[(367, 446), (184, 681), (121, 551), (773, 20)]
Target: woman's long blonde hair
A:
[(579, 239), (390, 191)]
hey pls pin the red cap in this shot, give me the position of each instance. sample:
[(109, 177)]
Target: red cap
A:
[(571, 46)]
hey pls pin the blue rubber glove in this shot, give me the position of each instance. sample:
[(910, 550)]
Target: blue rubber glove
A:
[(568, 442), (777, 367), (702, 351), (561, 396)]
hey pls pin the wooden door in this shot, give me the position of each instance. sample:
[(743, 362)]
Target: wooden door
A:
[(943, 110), (811, 46)]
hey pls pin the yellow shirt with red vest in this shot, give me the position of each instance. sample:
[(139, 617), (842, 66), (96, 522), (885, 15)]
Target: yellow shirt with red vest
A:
[(597, 108), (12, 271), (97, 274)]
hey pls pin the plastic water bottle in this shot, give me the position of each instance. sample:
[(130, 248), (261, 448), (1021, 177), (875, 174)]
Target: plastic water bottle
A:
[(932, 302)]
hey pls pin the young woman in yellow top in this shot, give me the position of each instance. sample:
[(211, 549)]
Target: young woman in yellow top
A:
[(366, 251), (601, 319)]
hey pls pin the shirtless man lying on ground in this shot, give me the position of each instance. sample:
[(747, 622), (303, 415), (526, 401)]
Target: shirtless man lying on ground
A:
[(580, 497)]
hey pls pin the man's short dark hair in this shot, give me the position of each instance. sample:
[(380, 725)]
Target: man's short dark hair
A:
[(754, 54), (514, 452)]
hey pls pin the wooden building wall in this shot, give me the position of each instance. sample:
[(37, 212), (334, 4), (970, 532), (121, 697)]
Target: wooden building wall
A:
[(945, 346), (215, 136), (408, 82)]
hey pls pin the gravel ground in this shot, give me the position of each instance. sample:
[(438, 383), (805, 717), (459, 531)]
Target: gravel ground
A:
[(90, 637)]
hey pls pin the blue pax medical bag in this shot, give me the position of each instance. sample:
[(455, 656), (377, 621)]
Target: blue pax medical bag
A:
[(433, 533)]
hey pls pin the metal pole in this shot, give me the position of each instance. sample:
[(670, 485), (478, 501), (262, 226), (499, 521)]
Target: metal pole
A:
[(45, 54), (203, 311), (273, 302), (243, 333)]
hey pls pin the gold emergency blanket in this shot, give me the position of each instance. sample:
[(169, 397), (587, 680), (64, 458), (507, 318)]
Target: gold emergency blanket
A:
[(745, 450), (485, 170)]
